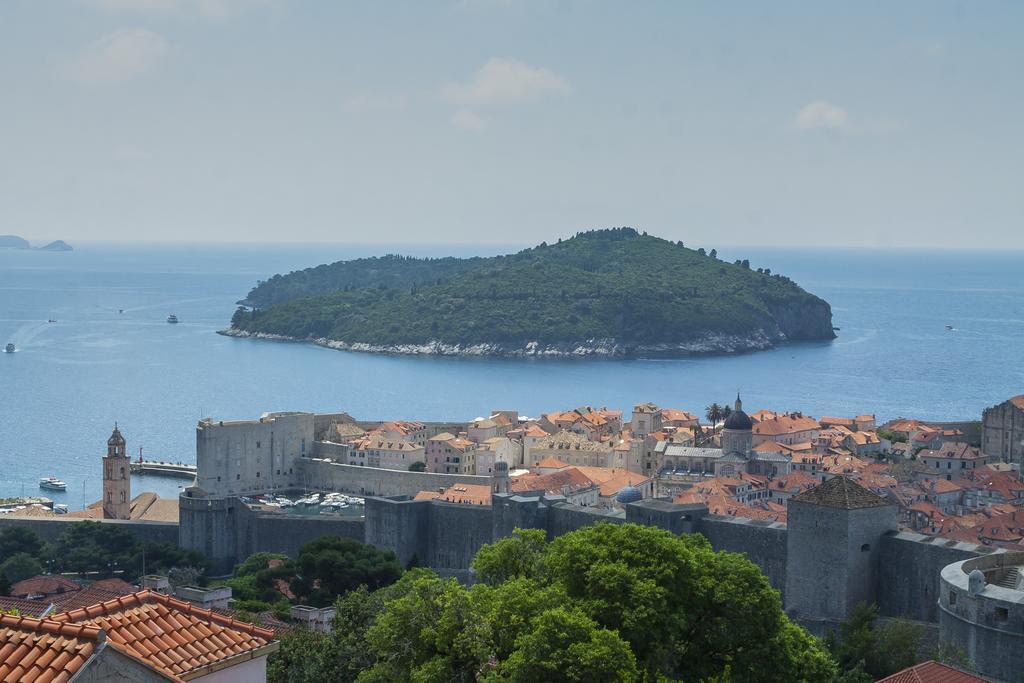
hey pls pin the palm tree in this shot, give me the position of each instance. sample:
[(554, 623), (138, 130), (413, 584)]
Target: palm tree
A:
[(714, 414), (726, 412)]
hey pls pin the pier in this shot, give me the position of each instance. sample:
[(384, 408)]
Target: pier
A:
[(164, 469)]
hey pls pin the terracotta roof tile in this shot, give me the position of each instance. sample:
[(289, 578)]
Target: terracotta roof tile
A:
[(43, 650), (169, 634), (932, 672)]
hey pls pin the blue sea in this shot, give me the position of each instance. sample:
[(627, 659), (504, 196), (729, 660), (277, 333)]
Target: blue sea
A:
[(70, 380)]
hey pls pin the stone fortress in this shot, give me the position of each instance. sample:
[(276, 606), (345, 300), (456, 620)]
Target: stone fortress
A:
[(841, 544)]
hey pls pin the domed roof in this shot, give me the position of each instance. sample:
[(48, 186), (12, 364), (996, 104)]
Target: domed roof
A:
[(628, 494), (738, 420)]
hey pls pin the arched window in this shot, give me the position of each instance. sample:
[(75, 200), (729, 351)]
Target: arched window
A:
[(122, 496), (122, 473), (865, 548)]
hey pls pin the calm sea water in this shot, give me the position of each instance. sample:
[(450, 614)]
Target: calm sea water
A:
[(70, 380)]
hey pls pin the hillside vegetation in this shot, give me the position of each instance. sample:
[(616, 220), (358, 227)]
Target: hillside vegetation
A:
[(630, 292)]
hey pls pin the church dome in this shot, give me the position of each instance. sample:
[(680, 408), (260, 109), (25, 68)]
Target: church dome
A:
[(738, 420), (628, 494)]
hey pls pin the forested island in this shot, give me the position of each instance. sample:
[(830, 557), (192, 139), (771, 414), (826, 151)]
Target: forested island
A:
[(15, 242), (613, 292)]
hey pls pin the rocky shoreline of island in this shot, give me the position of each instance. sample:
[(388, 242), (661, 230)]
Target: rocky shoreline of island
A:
[(709, 343)]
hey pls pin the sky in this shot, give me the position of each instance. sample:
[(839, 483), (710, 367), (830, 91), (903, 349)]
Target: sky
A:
[(868, 124)]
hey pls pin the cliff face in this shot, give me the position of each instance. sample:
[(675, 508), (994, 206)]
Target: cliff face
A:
[(610, 292), (808, 319)]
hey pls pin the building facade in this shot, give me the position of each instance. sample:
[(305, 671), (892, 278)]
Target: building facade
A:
[(1002, 431)]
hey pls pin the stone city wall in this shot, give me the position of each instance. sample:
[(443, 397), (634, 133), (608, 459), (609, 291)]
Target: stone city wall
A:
[(763, 543), (374, 481), (909, 572)]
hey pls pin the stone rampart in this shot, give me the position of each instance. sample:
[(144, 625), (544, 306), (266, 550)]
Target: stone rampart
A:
[(763, 543), (910, 566), (374, 481)]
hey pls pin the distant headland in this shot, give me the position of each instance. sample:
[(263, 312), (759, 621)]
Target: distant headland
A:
[(613, 293), (15, 242)]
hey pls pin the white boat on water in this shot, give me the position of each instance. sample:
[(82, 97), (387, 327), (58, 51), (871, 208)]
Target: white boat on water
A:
[(172, 318), (9, 348), (52, 483)]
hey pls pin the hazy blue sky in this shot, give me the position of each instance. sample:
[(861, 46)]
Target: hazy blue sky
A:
[(761, 123)]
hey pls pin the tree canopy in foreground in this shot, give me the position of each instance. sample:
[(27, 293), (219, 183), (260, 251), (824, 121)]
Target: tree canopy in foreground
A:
[(603, 603)]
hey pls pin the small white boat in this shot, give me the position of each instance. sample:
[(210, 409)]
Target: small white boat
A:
[(949, 328), (9, 348), (52, 483), (172, 318)]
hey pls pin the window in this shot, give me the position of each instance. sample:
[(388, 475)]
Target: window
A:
[(952, 598), (257, 444), (237, 477), (1002, 614)]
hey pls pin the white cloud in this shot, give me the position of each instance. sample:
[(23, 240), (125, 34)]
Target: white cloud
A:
[(467, 120), (119, 56), (822, 115), (502, 81)]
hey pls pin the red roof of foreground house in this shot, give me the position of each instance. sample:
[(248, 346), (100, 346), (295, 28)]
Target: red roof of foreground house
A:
[(172, 635), (43, 649), (932, 672)]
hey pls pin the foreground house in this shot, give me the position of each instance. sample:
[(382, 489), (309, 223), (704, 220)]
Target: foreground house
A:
[(172, 637), (46, 650)]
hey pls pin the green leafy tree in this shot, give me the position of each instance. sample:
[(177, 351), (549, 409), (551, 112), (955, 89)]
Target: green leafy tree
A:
[(257, 562), (331, 566), (521, 555), (16, 539), (20, 566), (432, 633), (606, 602), (567, 645), (684, 609), (879, 648), (304, 657)]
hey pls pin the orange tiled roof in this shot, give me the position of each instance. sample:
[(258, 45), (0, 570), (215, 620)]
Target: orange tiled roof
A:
[(44, 650), (550, 462), (789, 423), (932, 672), (43, 585), (171, 635), (612, 480)]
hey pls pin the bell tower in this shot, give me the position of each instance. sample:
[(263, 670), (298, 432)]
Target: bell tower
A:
[(117, 481)]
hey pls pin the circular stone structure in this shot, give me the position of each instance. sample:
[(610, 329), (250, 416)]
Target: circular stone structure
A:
[(981, 611)]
